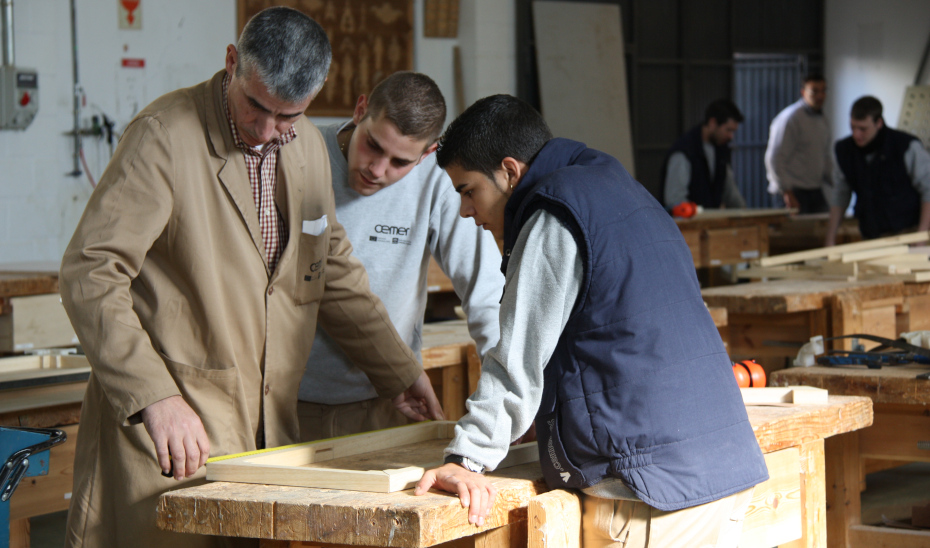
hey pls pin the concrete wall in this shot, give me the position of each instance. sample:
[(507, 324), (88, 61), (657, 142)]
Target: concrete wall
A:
[(182, 43), (873, 48)]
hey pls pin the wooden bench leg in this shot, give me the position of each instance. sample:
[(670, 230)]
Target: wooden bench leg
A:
[(844, 508), (19, 533), (554, 520), (813, 497)]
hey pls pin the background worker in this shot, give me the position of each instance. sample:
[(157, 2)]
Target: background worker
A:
[(799, 156), (697, 168), (889, 170), (399, 208), (204, 257), (605, 339)]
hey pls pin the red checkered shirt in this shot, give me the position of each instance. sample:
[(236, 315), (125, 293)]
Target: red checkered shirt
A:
[(263, 176)]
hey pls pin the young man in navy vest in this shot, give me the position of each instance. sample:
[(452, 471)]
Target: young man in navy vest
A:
[(605, 341), (889, 171), (698, 165)]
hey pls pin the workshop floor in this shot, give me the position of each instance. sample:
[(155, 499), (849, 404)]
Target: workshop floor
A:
[(891, 493)]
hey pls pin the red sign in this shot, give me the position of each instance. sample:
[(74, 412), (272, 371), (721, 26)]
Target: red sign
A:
[(133, 63)]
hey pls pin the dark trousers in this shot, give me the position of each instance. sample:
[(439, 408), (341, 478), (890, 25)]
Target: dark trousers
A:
[(811, 201)]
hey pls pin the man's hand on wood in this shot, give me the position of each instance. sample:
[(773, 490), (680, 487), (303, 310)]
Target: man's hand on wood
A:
[(178, 435), (476, 491), (419, 402)]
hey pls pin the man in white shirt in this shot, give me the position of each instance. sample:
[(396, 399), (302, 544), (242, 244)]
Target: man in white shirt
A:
[(799, 160)]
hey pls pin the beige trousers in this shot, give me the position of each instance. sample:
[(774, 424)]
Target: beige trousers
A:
[(319, 421), (635, 524)]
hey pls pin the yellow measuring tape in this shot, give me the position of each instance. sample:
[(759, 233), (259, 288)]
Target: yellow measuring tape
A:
[(260, 451)]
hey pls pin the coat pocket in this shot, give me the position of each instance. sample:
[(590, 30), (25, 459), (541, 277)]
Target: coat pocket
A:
[(558, 470), (215, 396), (311, 266)]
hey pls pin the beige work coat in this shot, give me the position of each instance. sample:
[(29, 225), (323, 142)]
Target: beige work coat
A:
[(167, 287)]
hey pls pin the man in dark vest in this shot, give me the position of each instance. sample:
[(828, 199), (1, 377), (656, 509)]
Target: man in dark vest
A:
[(605, 341), (889, 171), (698, 165)]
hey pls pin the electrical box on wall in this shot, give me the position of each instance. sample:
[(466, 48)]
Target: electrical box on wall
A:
[(19, 96)]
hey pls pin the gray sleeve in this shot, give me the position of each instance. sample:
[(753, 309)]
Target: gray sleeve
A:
[(543, 282), (732, 198), (677, 177), (917, 160), (469, 256), (842, 193)]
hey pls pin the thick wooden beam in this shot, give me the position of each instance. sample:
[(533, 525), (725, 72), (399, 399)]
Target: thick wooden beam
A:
[(554, 520)]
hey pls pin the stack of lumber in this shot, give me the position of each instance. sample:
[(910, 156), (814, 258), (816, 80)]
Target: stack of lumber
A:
[(883, 257)]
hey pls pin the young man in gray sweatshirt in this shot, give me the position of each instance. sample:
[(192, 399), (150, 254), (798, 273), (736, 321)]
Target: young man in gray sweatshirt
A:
[(398, 209)]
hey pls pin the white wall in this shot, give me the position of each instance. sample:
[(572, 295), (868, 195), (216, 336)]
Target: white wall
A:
[(873, 48), (182, 42)]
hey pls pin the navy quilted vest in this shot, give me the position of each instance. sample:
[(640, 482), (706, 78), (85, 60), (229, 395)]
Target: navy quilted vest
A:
[(639, 386), (702, 190), (887, 201)]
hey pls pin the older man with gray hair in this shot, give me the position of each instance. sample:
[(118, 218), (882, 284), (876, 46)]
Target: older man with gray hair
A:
[(204, 258)]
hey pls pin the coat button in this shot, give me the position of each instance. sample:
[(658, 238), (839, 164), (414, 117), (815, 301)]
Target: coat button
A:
[(270, 290), (267, 389)]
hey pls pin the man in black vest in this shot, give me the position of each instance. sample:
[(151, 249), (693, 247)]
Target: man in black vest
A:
[(605, 340), (889, 171), (698, 165)]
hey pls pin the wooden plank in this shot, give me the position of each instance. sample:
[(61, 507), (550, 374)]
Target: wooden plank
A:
[(19, 401), (888, 385), (784, 394), (47, 417), (867, 536), (845, 248), (813, 497), (582, 79), (50, 493), (495, 538), (781, 296), (781, 427), (17, 284), (867, 254), (554, 520), (37, 321), (774, 515), (398, 520), (383, 461)]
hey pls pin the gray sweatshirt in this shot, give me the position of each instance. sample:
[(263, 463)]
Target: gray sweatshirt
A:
[(394, 232)]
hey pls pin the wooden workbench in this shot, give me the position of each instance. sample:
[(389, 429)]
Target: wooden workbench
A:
[(293, 516), (902, 419), (769, 321), (448, 355), (728, 236)]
